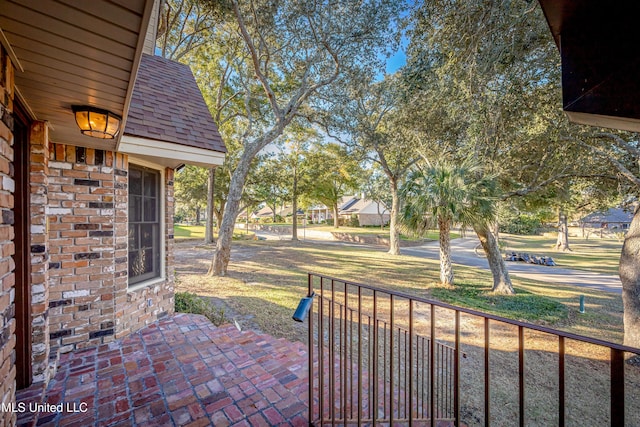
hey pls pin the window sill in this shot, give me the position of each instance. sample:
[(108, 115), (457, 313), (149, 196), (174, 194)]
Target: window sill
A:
[(145, 284)]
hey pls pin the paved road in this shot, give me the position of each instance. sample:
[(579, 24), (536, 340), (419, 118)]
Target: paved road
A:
[(463, 253)]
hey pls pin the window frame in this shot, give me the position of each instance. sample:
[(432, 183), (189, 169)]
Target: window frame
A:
[(150, 278)]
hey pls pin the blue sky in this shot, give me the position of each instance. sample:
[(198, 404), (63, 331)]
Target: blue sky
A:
[(396, 61), (398, 58)]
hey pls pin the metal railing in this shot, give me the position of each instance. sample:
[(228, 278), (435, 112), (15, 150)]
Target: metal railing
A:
[(388, 358)]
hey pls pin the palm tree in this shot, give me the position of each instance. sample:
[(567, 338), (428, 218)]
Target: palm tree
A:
[(443, 194)]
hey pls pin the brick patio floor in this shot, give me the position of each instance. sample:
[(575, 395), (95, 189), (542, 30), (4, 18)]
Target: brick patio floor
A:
[(181, 371)]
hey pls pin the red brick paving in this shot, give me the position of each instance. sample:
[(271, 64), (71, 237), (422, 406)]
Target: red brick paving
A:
[(181, 371)]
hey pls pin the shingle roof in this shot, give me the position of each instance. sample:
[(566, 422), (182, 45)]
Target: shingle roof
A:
[(167, 105), (349, 203), (613, 215)]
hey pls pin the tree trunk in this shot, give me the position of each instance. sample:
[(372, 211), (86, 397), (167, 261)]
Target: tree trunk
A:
[(394, 232), (446, 268), (294, 225), (562, 244), (219, 215), (501, 280), (198, 215), (294, 205), (222, 255), (630, 278), (208, 235), (336, 220), (496, 232)]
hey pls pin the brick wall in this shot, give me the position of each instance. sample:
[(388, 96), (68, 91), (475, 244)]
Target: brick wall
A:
[(7, 275), (81, 245), (89, 299), (39, 256)]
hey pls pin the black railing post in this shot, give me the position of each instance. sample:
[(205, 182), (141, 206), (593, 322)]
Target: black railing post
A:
[(411, 403), (374, 404), (432, 367), (343, 375), (360, 356), (617, 387), (321, 352), (521, 373), (487, 383), (456, 374), (311, 372), (561, 403), (332, 357), (391, 387)]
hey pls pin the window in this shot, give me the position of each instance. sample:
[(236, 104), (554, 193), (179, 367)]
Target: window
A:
[(144, 224)]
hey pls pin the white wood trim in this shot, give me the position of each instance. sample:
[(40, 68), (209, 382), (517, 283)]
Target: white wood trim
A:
[(601, 120), (10, 52), (146, 284), (168, 153), (26, 105)]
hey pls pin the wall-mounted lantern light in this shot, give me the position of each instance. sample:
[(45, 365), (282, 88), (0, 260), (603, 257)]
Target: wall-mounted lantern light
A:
[(96, 122)]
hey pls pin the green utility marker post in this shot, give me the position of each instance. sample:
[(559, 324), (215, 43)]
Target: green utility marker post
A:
[(582, 304)]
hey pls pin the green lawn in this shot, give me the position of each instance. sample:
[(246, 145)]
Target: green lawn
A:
[(188, 231), (197, 232), (598, 255), (268, 278)]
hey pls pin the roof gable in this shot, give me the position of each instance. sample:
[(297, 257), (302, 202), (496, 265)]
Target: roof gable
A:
[(167, 105)]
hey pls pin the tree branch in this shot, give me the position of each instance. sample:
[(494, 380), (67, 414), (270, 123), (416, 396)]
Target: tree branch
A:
[(617, 164), (634, 151), (256, 62), (536, 187)]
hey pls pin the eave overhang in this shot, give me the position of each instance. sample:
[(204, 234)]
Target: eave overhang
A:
[(75, 53), (600, 49)]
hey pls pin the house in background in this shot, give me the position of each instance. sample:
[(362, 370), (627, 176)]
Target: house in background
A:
[(612, 219), (286, 212), (368, 212), (266, 212), (86, 232)]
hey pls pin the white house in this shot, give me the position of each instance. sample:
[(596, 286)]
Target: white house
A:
[(367, 211)]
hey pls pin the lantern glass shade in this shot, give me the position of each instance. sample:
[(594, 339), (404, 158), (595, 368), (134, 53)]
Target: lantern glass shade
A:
[(96, 122)]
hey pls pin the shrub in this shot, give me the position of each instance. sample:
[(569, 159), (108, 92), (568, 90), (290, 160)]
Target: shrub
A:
[(523, 224), (353, 221), (186, 302), (269, 219)]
